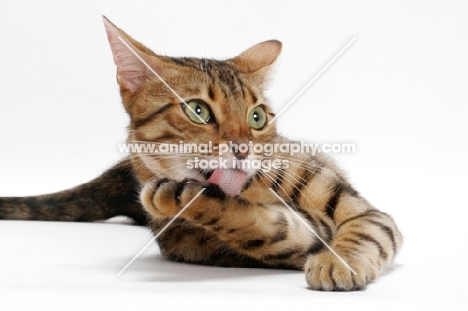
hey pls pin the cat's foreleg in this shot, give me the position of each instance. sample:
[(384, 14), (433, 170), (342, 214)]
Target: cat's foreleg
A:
[(269, 234), (366, 239)]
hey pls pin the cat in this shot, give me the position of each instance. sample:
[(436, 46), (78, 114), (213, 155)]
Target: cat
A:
[(239, 217)]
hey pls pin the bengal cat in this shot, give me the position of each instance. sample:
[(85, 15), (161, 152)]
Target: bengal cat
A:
[(237, 221)]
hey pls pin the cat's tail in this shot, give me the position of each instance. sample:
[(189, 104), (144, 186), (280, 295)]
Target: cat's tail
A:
[(113, 193)]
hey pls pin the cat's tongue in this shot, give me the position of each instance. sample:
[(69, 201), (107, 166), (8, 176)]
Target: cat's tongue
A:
[(229, 180)]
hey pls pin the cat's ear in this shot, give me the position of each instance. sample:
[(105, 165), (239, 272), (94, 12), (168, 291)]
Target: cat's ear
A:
[(257, 57), (130, 57)]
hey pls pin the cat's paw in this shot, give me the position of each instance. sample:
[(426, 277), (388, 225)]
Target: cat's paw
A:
[(165, 198), (324, 271)]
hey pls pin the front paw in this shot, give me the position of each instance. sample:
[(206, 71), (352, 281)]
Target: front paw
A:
[(324, 271), (165, 198)]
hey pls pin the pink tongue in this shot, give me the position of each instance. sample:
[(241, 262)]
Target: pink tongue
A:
[(229, 180)]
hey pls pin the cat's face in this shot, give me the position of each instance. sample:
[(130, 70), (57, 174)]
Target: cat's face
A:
[(199, 115)]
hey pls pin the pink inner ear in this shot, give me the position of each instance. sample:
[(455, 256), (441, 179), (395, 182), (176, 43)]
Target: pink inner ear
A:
[(131, 71)]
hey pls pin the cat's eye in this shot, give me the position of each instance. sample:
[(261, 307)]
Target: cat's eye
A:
[(257, 118), (198, 111)]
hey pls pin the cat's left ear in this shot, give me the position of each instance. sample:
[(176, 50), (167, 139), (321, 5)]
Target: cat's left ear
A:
[(257, 57), (134, 61)]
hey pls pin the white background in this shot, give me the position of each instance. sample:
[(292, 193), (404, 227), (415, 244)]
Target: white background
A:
[(399, 93)]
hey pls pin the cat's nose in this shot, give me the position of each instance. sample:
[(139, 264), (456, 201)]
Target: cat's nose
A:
[(241, 150), (241, 155)]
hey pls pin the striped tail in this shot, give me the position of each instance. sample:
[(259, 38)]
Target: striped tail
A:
[(114, 193)]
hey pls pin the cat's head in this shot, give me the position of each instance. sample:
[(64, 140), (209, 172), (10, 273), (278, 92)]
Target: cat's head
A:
[(190, 102)]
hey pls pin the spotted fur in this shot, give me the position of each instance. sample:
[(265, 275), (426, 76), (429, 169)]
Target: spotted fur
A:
[(253, 229)]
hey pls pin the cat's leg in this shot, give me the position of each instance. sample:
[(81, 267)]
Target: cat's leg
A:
[(187, 242), (366, 239), (268, 234), (367, 242)]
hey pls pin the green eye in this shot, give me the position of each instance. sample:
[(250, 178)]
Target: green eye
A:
[(197, 111), (257, 118)]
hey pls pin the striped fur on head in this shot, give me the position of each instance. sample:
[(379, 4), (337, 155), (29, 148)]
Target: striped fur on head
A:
[(230, 88)]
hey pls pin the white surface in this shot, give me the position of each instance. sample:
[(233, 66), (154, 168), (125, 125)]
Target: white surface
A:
[(399, 93)]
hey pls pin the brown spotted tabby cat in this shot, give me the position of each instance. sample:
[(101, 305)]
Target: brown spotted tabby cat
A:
[(237, 221)]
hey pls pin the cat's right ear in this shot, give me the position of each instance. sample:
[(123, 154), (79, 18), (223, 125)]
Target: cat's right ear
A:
[(257, 57), (132, 58), (256, 62)]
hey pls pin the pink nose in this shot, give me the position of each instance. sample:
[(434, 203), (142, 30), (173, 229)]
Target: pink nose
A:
[(240, 150), (241, 155)]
